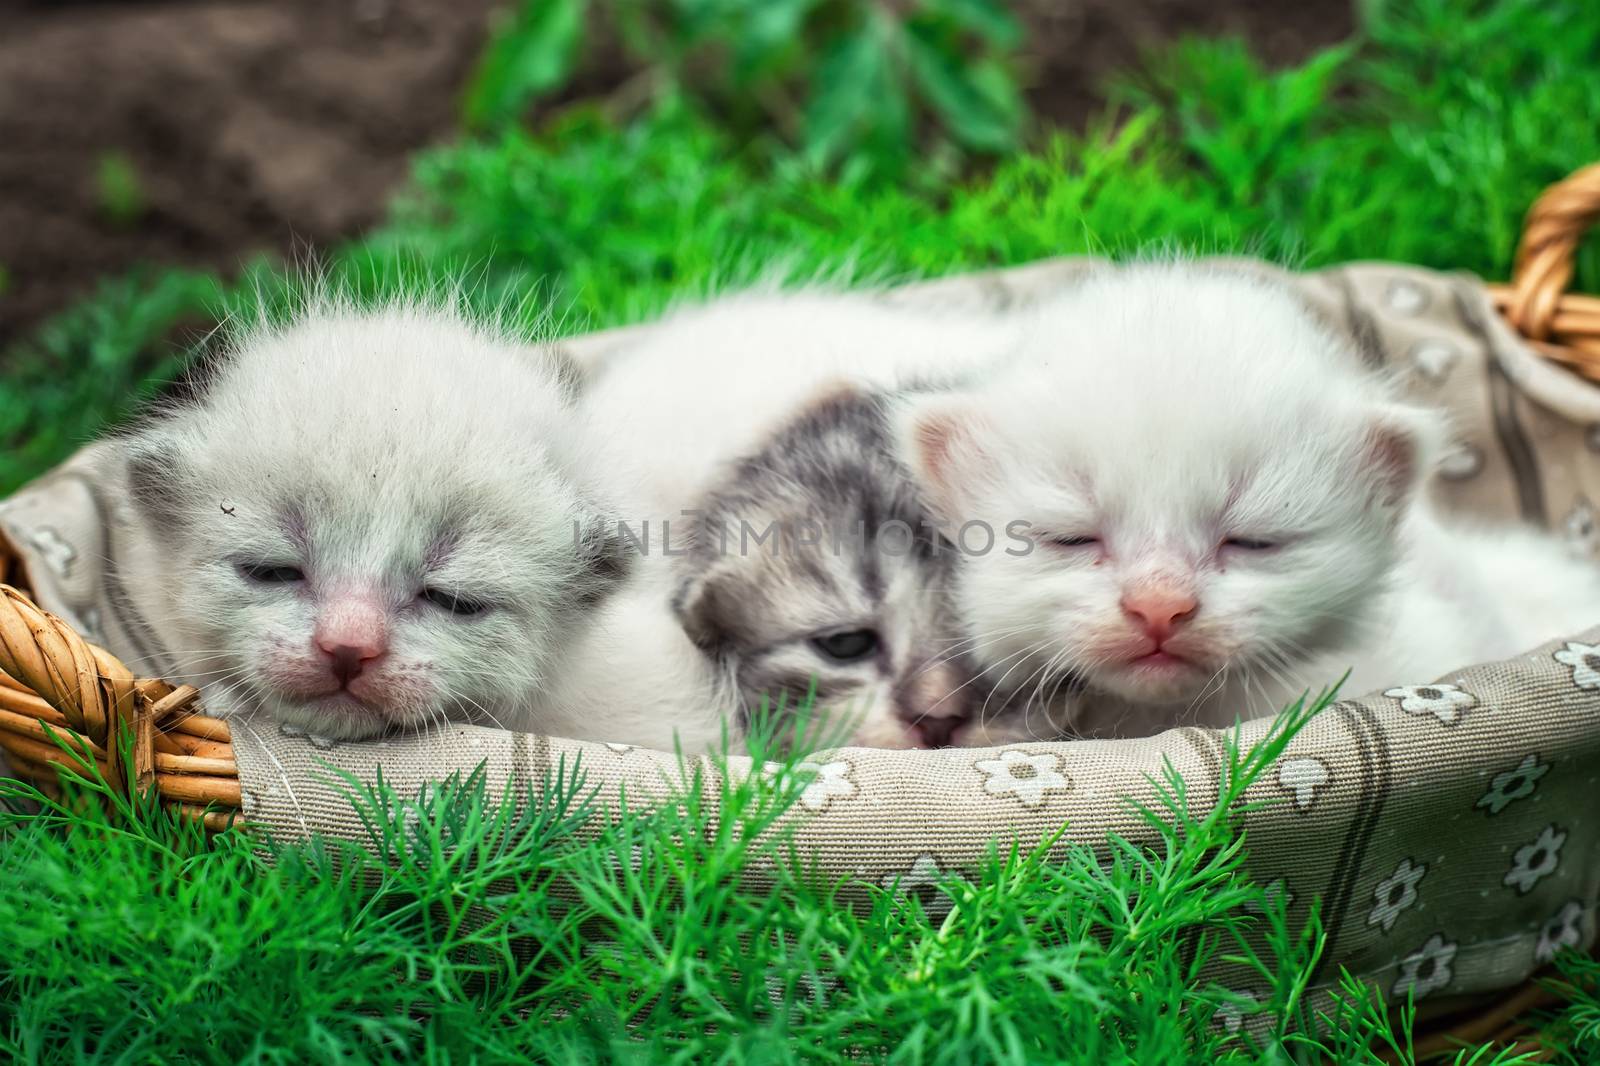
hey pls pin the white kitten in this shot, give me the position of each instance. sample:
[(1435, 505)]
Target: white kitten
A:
[(364, 521), (761, 410), (1225, 510)]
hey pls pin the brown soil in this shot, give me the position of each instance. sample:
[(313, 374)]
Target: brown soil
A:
[(1075, 46), (268, 127), (250, 127)]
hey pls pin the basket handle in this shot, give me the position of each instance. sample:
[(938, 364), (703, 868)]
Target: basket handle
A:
[(1555, 226), (91, 691), (51, 678), (88, 686)]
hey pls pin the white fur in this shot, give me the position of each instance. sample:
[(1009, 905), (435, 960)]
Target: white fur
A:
[(382, 453), (1163, 410), (712, 381), (633, 677)]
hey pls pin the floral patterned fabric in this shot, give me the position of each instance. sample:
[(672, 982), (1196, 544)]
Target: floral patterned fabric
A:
[(1449, 826)]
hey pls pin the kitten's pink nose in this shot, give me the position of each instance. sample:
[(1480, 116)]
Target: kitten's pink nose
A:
[(352, 633), (348, 660), (1159, 610)]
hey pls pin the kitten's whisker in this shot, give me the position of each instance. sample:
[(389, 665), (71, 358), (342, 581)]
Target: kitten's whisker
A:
[(941, 661), (1000, 686), (976, 677)]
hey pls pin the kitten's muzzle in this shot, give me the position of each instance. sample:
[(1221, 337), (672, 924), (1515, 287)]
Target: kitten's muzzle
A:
[(352, 634), (936, 732), (930, 704)]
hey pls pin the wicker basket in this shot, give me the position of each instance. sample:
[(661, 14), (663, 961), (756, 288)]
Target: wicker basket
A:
[(52, 680), (51, 676), (1563, 326)]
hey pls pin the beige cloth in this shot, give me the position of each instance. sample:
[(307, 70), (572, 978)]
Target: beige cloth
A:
[(1450, 827)]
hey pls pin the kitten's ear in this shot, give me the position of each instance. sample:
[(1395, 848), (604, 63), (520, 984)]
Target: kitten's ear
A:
[(702, 610), (941, 437), (1398, 452), (566, 372), (606, 557), (158, 480)]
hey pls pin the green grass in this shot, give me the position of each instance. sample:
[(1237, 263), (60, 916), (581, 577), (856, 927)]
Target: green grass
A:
[(135, 941), (900, 91), (467, 931)]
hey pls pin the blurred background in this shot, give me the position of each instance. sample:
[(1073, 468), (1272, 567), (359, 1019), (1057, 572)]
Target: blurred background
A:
[(198, 133), (165, 164)]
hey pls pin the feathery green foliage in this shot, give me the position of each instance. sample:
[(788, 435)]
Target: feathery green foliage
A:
[(121, 195), (542, 931), (863, 86), (552, 930)]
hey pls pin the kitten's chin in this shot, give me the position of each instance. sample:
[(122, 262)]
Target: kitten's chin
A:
[(1157, 678), (887, 730), (848, 727), (339, 716)]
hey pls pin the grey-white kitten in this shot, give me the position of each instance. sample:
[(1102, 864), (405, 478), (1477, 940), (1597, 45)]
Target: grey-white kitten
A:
[(364, 521)]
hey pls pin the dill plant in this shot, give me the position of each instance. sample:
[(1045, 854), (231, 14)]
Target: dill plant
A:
[(548, 929)]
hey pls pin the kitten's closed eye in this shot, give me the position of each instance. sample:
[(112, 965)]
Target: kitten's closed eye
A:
[(271, 573), (1070, 540), (1252, 544), (454, 602), (848, 645)]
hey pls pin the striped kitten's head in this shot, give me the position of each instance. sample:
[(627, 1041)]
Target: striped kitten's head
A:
[(816, 570)]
